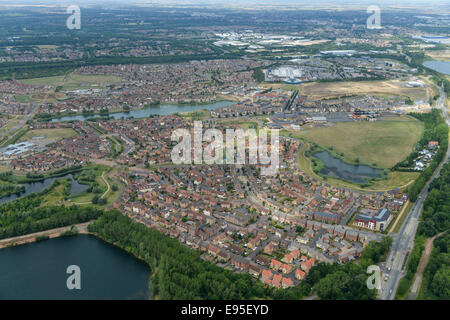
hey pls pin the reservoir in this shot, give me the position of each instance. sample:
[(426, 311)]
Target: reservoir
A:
[(161, 110), (336, 168), (439, 66), (38, 271), (33, 187)]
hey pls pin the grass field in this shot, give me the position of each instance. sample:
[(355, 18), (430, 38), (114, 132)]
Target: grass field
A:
[(394, 179), (12, 122), (439, 54), (196, 115), (54, 197), (74, 81), (383, 143), (401, 217), (283, 86), (49, 134), (242, 123), (47, 46), (322, 90), (22, 98)]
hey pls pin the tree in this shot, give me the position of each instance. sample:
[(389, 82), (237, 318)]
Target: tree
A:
[(441, 283), (330, 287), (95, 199)]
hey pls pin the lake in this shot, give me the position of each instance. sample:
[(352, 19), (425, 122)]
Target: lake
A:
[(336, 168), (34, 187), (161, 110), (38, 271), (439, 66)]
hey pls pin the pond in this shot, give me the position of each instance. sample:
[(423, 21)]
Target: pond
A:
[(162, 110), (34, 187), (336, 168), (439, 66), (38, 271)]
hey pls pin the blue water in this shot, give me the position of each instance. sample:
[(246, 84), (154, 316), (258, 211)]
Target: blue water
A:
[(161, 110), (336, 168), (439, 66), (34, 187), (38, 271)]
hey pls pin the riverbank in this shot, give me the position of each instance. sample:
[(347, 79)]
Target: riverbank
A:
[(146, 111), (52, 233)]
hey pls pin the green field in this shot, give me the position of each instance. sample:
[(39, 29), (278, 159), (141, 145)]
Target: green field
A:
[(74, 81), (22, 98), (196, 115), (49, 134), (242, 123), (383, 143), (12, 122)]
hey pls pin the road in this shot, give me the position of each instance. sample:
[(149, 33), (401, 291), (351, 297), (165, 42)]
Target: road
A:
[(403, 242), (15, 130)]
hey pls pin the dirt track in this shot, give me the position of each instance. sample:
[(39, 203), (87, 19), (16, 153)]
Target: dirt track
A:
[(52, 233), (421, 267)]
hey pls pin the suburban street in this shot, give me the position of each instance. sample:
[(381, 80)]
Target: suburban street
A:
[(403, 242)]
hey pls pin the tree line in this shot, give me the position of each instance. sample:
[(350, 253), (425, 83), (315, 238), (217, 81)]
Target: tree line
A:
[(435, 129), (179, 272), (25, 215)]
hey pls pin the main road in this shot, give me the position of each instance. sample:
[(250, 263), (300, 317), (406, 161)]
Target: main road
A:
[(403, 242)]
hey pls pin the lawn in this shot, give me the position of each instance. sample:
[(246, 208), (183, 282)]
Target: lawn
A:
[(22, 98), (439, 54), (107, 192), (242, 123), (321, 90), (49, 134), (74, 81), (383, 143), (196, 115), (54, 197), (12, 122)]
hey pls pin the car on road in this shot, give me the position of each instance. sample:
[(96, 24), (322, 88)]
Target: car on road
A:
[(390, 291), (386, 277)]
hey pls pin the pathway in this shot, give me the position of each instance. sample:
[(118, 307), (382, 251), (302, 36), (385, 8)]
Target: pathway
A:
[(421, 267), (52, 233)]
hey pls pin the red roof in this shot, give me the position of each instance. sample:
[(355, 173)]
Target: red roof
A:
[(300, 273), (295, 253), (277, 277), (267, 273), (275, 263), (286, 267), (287, 281)]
